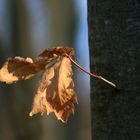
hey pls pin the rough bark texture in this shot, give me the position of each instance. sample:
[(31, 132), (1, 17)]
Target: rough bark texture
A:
[(114, 40)]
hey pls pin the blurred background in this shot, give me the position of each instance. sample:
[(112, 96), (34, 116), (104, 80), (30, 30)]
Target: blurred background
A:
[(27, 27)]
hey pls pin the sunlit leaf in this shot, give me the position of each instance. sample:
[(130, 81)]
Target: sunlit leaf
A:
[(55, 91)]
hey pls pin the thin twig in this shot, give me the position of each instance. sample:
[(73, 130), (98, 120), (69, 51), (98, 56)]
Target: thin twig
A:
[(93, 75)]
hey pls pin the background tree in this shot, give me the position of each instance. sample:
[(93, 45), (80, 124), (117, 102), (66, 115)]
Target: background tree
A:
[(27, 27), (16, 98), (114, 31)]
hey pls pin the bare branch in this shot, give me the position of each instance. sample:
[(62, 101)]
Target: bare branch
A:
[(93, 75)]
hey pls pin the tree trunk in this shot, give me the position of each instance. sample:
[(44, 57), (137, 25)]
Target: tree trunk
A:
[(15, 100), (114, 31)]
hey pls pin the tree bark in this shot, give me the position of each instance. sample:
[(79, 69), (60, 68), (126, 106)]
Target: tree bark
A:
[(114, 31)]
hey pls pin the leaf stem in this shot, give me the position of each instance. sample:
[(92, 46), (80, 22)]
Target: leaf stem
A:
[(93, 75)]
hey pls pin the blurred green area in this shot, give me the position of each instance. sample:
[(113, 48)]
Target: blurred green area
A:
[(27, 27)]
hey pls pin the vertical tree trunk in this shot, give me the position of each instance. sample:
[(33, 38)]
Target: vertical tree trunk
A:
[(15, 100), (114, 31), (25, 127)]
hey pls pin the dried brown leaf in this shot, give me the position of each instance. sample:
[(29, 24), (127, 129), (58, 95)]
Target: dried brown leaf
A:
[(18, 68), (58, 51), (55, 92)]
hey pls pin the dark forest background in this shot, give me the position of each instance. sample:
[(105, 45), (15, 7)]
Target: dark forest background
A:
[(27, 27)]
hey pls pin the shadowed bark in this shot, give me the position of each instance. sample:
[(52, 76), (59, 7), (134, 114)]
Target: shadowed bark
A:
[(114, 31)]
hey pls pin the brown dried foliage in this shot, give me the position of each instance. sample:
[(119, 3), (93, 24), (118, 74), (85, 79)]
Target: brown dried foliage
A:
[(55, 92)]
